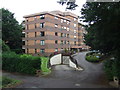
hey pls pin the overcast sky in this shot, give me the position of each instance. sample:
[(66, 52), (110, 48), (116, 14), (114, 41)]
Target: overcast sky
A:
[(26, 7)]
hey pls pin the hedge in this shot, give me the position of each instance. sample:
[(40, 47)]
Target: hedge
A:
[(20, 63)]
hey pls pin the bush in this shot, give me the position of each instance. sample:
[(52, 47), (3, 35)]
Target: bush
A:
[(20, 63), (93, 57), (111, 67)]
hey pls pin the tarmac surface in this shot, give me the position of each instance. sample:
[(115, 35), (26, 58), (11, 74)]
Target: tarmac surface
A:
[(63, 76)]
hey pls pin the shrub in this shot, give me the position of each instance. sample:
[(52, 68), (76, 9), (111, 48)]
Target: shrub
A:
[(93, 57), (111, 67), (20, 63)]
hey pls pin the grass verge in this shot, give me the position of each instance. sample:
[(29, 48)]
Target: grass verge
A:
[(6, 82), (44, 66)]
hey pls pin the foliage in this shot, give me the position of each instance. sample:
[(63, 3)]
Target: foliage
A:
[(111, 67), (11, 30), (4, 46), (103, 30), (8, 82), (44, 65), (93, 57), (19, 63)]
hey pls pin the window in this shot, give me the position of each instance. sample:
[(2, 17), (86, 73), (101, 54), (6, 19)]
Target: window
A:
[(61, 41), (42, 42), (64, 42), (65, 28), (67, 35), (27, 34), (68, 29), (56, 49), (64, 20), (42, 16), (68, 22), (56, 17), (35, 17), (56, 42), (42, 34), (56, 34), (75, 25), (74, 42), (62, 27), (61, 20), (75, 19), (75, 37), (61, 34), (64, 35), (35, 50), (42, 25), (35, 25), (68, 42), (42, 50), (74, 31), (27, 27), (35, 34), (56, 25)]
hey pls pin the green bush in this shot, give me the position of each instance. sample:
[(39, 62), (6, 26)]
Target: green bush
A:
[(112, 68), (20, 63), (93, 57)]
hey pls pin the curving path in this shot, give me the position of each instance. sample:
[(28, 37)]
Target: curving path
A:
[(63, 76)]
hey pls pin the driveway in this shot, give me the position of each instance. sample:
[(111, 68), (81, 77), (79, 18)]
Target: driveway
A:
[(63, 76)]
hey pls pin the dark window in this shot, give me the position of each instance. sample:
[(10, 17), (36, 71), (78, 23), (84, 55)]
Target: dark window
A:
[(42, 25), (67, 35), (35, 42), (35, 50), (35, 34), (56, 42), (61, 34), (75, 43), (23, 42), (42, 50), (56, 34), (42, 34), (42, 16), (35, 25)]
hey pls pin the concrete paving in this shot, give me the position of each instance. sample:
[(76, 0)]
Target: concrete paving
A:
[(63, 76)]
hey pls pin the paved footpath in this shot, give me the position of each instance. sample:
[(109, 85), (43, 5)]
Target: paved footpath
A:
[(63, 76)]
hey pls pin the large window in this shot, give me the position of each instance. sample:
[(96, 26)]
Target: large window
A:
[(42, 42), (42, 34), (42, 50), (42, 25)]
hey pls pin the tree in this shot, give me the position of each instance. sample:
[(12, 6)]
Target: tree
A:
[(11, 30), (103, 30)]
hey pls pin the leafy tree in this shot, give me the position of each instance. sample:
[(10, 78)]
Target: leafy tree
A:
[(103, 30), (103, 25), (11, 30)]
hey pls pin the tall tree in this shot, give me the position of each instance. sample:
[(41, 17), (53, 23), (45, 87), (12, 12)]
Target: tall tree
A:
[(103, 25), (11, 30)]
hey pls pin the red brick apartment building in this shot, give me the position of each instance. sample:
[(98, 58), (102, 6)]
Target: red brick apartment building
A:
[(47, 32)]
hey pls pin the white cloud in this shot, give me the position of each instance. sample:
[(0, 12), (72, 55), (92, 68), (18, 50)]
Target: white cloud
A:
[(26, 7)]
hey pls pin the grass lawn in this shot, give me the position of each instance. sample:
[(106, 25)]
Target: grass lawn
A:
[(6, 82), (44, 68)]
